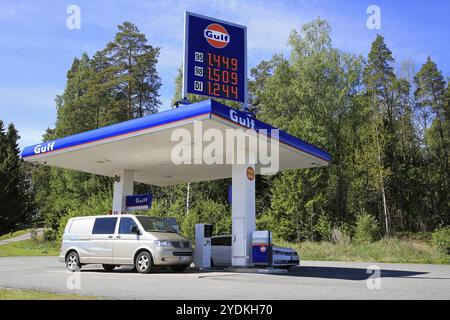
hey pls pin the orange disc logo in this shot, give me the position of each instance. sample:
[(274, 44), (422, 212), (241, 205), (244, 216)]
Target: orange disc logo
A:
[(217, 35), (250, 173)]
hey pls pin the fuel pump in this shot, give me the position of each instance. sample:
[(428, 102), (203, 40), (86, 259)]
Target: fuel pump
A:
[(262, 248), (202, 254)]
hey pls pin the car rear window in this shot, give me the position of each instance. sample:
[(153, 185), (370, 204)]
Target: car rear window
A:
[(104, 225)]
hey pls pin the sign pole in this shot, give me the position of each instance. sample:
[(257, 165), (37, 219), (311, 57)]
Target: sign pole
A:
[(245, 70), (185, 59)]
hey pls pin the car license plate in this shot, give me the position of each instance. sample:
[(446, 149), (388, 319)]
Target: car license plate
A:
[(184, 258)]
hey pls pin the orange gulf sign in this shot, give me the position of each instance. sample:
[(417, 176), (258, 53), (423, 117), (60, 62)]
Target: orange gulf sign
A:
[(250, 173), (217, 35)]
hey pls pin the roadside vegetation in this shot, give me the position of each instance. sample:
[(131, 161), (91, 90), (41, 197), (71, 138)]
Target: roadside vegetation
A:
[(14, 234), (18, 294), (386, 250), (365, 244), (38, 246)]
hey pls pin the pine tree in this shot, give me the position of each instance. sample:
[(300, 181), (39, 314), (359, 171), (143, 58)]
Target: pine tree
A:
[(118, 83), (15, 200), (379, 79), (431, 93), (133, 65)]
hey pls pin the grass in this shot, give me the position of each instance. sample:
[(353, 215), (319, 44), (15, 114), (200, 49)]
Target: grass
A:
[(19, 294), (385, 250), (29, 247), (14, 234)]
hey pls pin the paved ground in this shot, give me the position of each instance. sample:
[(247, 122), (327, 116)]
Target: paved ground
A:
[(22, 237), (313, 280)]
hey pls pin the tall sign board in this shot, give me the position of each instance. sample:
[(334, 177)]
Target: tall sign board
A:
[(215, 58)]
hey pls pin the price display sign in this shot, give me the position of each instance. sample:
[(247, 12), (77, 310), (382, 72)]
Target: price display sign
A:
[(215, 54)]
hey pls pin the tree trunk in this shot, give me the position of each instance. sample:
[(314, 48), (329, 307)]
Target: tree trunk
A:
[(383, 192)]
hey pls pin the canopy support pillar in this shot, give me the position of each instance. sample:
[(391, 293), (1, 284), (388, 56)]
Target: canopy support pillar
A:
[(243, 213), (123, 186)]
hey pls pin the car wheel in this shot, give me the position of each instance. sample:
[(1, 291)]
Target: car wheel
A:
[(143, 262), (108, 267), (73, 261), (179, 268)]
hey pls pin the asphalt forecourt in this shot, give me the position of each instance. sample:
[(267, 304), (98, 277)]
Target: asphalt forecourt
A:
[(313, 280)]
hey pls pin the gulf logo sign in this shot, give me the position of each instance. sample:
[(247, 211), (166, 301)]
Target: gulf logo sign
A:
[(217, 35)]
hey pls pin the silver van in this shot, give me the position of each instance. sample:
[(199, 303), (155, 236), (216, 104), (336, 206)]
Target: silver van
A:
[(115, 240)]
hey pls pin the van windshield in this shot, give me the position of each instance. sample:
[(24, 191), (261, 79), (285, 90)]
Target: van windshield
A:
[(151, 224)]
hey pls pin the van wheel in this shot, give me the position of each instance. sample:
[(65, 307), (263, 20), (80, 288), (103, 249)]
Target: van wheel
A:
[(179, 268), (143, 262), (108, 267), (73, 261)]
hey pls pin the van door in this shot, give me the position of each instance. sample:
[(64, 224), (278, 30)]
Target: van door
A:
[(102, 240), (126, 242)]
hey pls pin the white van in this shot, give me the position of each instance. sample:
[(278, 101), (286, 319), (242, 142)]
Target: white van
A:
[(115, 240)]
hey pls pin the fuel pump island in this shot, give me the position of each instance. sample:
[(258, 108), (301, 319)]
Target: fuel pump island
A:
[(140, 150)]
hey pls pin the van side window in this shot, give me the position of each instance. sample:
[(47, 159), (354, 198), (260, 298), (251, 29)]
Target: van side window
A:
[(125, 225), (104, 226)]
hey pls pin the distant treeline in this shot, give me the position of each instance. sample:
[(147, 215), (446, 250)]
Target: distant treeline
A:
[(385, 124)]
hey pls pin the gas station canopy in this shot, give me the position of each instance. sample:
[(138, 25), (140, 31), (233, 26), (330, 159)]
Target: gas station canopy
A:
[(144, 146), (196, 142)]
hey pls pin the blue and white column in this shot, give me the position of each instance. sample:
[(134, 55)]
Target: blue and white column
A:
[(243, 213), (122, 188)]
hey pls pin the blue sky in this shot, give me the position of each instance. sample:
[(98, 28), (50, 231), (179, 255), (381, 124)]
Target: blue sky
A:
[(36, 47)]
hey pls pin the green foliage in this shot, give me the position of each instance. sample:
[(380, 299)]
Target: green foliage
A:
[(433, 101), (385, 250), (16, 203), (265, 222), (441, 238), (97, 204), (217, 214), (324, 227), (14, 234), (20, 294), (341, 234), (50, 235), (367, 228), (30, 247), (188, 225)]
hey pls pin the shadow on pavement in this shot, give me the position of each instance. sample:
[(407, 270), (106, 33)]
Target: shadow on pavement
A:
[(156, 270), (339, 273), (342, 273)]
